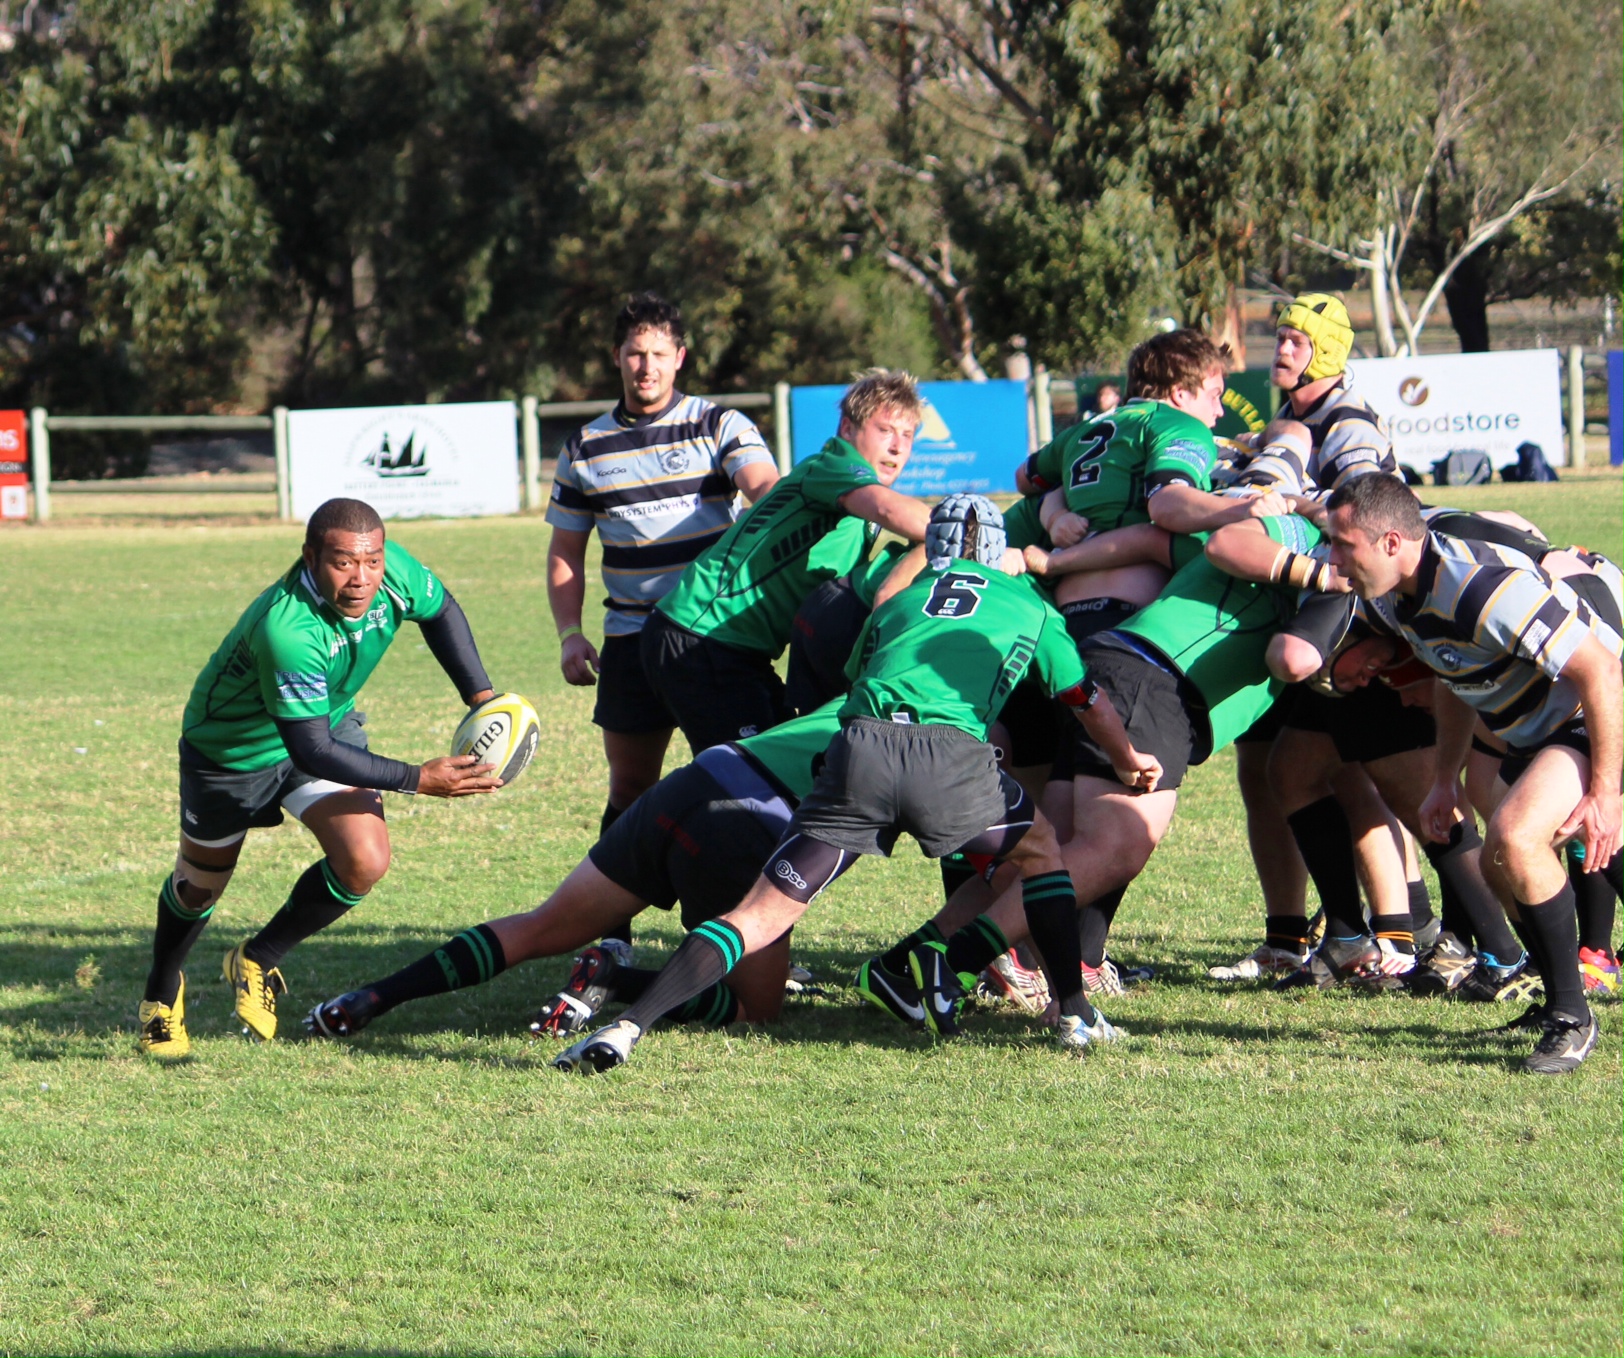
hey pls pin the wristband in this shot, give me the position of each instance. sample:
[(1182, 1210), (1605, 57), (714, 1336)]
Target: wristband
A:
[(1301, 572), (573, 630)]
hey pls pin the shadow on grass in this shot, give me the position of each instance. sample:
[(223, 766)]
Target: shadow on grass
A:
[(76, 1011)]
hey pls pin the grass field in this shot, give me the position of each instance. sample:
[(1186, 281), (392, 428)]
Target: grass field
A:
[(1251, 1172)]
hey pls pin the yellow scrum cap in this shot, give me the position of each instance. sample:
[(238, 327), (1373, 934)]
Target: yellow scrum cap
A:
[(1325, 321)]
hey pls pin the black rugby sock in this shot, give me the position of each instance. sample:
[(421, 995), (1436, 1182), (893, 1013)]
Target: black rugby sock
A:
[(895, 959), (1286, 932), (1325, 840), (1094, 922), (612, 813), (956, 871), (1397, 929), (1420, 904), (1458, 861), (1596, 901), (1051, 918), (1554, 925), (317, 899), (471, 958), (712, 950), (177, 929), (716, 1005), (974, 946)]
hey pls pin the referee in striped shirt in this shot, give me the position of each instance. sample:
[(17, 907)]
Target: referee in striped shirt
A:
[(656, 476)]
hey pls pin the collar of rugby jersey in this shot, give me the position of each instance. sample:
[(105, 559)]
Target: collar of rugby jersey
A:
[(626, 420)]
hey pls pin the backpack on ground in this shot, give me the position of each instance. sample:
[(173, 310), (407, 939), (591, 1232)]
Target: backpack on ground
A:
[(1531, 465), (1463, 467)]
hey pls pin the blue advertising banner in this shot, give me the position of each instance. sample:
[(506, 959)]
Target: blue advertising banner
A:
[(973, 436), (1615, 406)]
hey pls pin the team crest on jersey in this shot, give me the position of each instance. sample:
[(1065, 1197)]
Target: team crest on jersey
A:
[(676, 460), (1449, 657)]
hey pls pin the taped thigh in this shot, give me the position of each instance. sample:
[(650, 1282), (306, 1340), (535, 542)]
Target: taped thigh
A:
[(306, 795)]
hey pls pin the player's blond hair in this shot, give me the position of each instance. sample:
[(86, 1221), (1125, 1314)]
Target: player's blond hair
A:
[(878, 389)]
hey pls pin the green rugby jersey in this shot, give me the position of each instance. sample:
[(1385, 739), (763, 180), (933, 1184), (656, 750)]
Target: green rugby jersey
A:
[(293, 655), (867, 576), (951, 647), (791, 754), (744, 589), (1108, 465), (1214, 630)]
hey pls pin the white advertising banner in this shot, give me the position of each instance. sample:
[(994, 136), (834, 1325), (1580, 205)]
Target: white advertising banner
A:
[(407, 461), (1442, 402)]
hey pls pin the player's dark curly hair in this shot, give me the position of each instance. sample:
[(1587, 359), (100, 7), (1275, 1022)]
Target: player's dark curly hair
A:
[(341, 516), (650, 311)]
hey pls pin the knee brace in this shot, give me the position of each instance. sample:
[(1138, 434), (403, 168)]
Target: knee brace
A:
[(801, 867), (196, 887)]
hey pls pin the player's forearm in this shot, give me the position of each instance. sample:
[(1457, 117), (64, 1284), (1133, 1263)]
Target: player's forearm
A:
[(451, 641), (1455, 722), (313, 750), (1596, 675), (1136, 545), (1184, 509), (1104, 726), (566, 587), (900, 514)]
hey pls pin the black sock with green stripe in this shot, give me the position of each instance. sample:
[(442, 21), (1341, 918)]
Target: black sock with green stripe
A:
[(1051, 917), (712, 950), (716, 1006), (974, 946), (895, 960), (172, 939), (471, 958), (317, 899)]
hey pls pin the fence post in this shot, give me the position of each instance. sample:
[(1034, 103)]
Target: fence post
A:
[(284, 464), (1044, 401), (781, 433), (39, 453), (1576, 407), (530, 442)]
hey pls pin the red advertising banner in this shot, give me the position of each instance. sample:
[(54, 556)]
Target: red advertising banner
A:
[(13, 464)]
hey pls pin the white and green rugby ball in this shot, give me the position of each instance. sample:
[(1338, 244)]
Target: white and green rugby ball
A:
[(503, 731)]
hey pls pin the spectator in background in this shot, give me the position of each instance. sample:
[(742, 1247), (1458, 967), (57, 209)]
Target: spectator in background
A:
[(1107, 398)]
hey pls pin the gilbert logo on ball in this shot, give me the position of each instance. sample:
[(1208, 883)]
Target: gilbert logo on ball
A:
[(1413, 391), (502, 731)]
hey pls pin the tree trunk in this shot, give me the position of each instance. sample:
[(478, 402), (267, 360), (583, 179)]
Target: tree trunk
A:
[(1380, 304), (1467, 296), (1229, 327)]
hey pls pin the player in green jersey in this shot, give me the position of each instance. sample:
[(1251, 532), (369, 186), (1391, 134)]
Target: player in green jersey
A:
[(1187, 673), (933, 667), (708, 647), (698, 836), (271, 726)]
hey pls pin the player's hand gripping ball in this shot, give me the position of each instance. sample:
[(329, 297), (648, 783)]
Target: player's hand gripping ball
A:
[(503, 731)]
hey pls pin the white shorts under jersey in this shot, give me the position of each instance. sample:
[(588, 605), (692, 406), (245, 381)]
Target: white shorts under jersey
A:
[(658, 488), (1498, 630)]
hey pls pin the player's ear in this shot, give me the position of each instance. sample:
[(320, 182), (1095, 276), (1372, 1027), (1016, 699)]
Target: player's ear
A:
[(682, 354), (309, 554)]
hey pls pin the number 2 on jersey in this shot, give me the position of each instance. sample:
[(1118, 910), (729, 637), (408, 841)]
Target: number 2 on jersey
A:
[(1082, 474)]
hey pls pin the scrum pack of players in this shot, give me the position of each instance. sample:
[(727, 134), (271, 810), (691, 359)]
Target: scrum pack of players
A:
[(1023, 694)]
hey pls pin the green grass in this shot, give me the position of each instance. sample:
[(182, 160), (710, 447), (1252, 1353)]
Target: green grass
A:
[(1251, 1173)]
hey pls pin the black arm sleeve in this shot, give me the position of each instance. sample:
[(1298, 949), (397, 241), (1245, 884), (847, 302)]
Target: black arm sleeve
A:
[(1322, 620), (314, 751), (452, 642)]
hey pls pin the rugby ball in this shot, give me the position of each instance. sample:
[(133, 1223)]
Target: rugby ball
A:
[(503, 731)]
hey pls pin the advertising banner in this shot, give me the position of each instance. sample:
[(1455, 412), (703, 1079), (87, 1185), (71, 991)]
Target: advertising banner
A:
[(1615, 406), (13, 464), (407, 461), (972, 439), (1442, 402)]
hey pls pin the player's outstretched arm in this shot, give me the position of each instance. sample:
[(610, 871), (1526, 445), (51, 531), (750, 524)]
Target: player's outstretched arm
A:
[(755, 479), (313, 750), (1247, 552), (451, 641), (1141, 772), (1184, 509), (1440, 809), (897, 513)]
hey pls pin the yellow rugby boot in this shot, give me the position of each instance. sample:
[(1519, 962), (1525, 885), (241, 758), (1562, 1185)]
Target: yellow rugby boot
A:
[(253, 991), (163, 1027)]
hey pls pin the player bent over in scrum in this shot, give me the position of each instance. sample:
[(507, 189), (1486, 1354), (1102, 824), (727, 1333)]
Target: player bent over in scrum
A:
[(271, 726), (698, 836), (933, 667), (1539, 664)]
